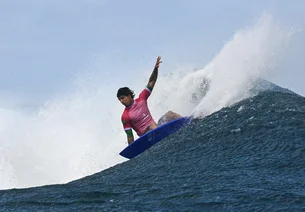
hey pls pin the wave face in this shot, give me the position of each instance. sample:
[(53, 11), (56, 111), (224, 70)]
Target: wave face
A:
[(249, 156)]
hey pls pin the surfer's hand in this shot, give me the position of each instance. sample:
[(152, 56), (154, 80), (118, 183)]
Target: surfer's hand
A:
[(158, 62)]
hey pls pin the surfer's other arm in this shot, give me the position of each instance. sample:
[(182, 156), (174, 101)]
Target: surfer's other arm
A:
[(130, 137), (154, 74)]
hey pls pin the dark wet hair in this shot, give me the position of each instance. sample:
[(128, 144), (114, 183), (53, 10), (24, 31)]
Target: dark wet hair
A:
[(125, 91)]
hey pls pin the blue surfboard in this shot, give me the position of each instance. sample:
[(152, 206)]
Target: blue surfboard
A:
[(152, 137)]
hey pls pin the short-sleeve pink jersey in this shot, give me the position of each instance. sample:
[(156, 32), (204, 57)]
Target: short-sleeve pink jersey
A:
[(137, 116)]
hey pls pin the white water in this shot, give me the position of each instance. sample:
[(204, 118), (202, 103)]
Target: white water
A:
[(229, 76), (79, 132)]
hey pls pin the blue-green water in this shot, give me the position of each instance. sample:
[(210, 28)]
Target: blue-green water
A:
[(248, 157)]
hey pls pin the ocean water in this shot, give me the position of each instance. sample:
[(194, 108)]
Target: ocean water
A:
[(246, 157)]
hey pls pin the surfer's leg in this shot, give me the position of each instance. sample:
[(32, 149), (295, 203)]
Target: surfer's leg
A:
[(152, 126), (169, 116)]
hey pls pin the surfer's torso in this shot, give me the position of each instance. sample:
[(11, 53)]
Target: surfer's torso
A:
[(137, 116)]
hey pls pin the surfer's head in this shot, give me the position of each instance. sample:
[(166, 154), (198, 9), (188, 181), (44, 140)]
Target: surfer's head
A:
[(125, 96), (125, 91)]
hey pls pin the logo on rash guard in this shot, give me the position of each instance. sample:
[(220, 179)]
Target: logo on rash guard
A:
[(145, 116)]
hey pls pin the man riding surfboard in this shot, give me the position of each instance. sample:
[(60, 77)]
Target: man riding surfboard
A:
[(136, 114)]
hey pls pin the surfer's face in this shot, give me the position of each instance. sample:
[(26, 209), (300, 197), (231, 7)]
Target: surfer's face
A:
[(126, 100)]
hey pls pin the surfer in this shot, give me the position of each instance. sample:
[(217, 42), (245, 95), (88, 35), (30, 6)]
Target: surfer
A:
[(136, 115)]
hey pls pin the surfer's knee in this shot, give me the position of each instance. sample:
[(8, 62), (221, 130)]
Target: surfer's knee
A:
[(168, 116), (172, 115)]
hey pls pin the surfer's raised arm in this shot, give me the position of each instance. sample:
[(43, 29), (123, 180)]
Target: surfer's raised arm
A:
[(154, 75)]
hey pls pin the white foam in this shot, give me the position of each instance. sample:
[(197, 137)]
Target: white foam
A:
[(229, 76)]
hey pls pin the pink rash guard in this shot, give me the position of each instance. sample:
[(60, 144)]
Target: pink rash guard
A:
[(137, 116)]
